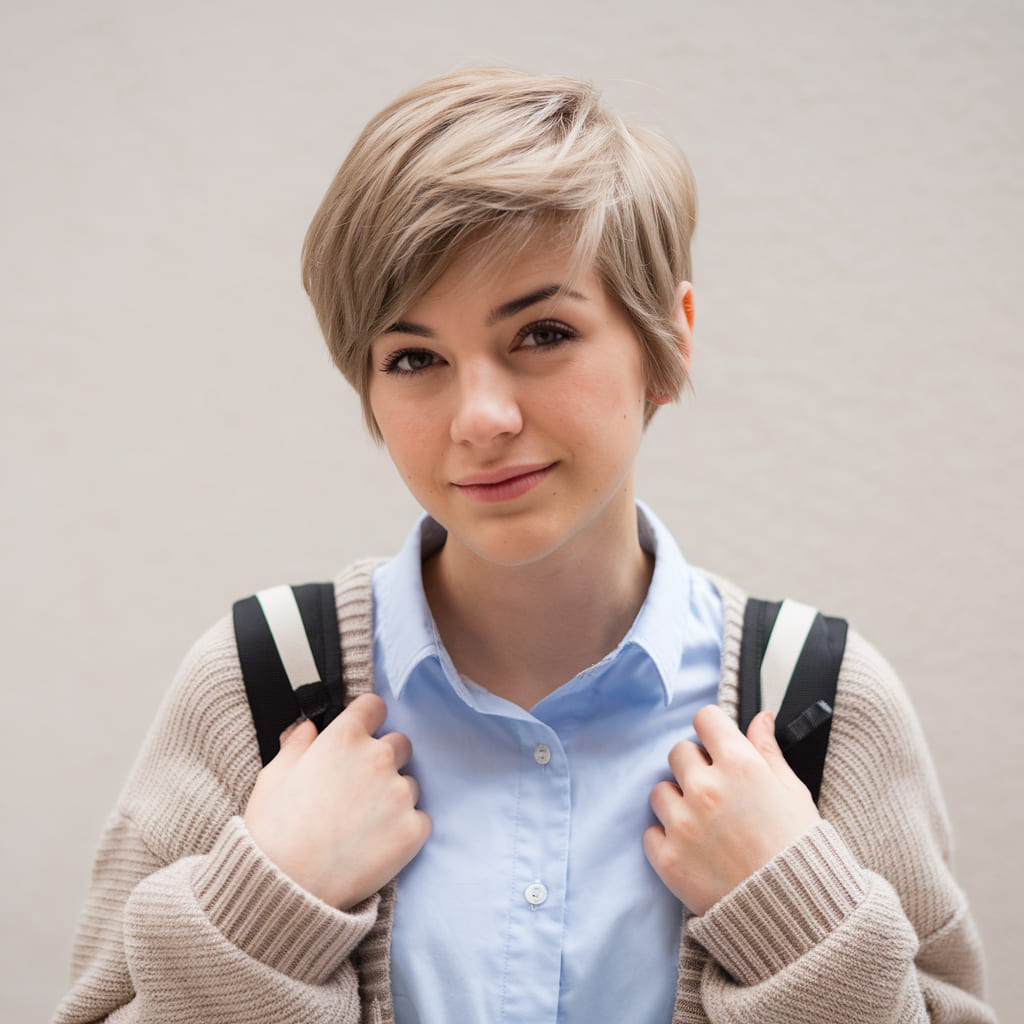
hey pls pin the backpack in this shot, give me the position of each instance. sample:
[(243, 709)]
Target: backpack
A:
[(290, 652)]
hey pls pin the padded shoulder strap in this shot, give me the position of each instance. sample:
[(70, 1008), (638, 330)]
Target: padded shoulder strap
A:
[(790, 657), (289, 650)]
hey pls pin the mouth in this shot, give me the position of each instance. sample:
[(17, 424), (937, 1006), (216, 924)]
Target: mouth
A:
[(503, 484)]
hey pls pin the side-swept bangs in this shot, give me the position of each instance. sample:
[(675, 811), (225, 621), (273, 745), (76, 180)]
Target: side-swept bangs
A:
[(487, 160)]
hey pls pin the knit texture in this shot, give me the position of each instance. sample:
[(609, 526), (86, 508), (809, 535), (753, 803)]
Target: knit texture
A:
[(186, 920)]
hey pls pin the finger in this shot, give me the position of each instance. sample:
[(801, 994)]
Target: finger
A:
[(367, 710), (295, 727), (716, 731), (684, 759), (426, 826), (654, 839), (761, 733), (400, 746), (665, 800), (414, 789), (295, 740)]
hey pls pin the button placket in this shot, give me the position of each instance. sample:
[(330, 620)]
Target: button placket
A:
[(546, 791)]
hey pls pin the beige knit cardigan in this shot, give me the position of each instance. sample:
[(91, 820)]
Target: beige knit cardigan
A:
[(186, 921)]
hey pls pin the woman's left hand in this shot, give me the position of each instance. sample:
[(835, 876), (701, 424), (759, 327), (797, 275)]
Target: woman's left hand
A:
[(734, 805)]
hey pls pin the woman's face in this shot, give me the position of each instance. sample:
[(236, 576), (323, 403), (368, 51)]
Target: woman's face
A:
[(514, 411)]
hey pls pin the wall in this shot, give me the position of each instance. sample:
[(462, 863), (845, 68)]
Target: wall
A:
[(174, 436)]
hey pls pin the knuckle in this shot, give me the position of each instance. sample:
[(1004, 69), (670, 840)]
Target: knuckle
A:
[(380, 756), (708, 802), (345, 729), (706, 794), (749, 765), (426, 825), (672, 810), (413, 830)]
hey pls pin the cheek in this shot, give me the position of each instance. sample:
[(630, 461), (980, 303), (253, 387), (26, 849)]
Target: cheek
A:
[(397, 416), (404, 434), (417, 453), (602, 405)]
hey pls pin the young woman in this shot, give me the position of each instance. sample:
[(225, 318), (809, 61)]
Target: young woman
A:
[(537, 806)]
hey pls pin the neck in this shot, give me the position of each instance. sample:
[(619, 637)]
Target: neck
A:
[(523, 631)]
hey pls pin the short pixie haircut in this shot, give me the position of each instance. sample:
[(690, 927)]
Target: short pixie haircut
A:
[(489, 158)]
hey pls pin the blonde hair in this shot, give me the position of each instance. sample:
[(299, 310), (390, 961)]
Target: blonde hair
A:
[(488, 158)]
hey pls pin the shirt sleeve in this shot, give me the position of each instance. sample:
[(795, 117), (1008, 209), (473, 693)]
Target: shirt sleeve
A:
[(186, 919), (860, 919)]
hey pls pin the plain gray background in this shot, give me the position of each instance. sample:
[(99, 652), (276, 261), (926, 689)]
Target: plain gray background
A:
[(174, 435)]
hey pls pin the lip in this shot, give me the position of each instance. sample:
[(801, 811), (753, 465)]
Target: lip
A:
[(503, 484)]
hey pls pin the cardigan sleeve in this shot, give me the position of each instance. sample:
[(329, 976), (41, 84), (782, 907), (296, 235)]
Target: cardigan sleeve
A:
[(860, 919), (186, 919)]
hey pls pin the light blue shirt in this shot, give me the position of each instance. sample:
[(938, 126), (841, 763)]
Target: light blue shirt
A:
[(532, 901)]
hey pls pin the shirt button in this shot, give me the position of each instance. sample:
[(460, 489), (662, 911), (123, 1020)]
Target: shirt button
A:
[(536, 894), (542, 753)]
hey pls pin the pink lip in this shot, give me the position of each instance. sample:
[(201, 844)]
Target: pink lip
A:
[(502, 484)]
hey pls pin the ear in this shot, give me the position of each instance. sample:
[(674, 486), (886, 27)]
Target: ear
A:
[(682, 319)]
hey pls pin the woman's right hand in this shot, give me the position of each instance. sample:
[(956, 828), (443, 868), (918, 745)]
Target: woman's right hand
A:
[(333, 812)]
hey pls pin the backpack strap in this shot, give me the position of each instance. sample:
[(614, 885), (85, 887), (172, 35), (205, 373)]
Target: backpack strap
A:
[(290, 653), (790, 657)]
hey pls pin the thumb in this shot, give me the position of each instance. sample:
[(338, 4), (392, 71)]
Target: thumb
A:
[(761, 732), (296, 740)]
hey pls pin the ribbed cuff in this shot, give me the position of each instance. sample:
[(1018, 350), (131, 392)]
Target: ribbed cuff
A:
[(784, 909), (264, 913)]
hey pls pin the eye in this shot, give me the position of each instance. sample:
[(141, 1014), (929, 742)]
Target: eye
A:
[(545, 334), (409, 360)]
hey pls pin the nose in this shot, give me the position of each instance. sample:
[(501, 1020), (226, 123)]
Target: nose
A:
[(487, 406)]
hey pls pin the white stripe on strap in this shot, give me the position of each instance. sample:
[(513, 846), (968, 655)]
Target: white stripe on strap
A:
[(783, 651), (282, 615)]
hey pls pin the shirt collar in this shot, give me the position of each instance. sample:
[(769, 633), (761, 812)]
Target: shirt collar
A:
[(405, 630), (406, 633), (661, 625)]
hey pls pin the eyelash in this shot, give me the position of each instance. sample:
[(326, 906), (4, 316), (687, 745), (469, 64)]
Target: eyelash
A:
[(390, 363), (551, 327)]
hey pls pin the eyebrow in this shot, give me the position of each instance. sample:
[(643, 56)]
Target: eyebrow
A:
[(496, 315)]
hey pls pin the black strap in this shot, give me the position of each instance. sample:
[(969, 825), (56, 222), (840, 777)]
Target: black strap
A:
[(803, 723), (272, 700)]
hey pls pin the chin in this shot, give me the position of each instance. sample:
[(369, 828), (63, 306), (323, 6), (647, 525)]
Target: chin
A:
[(512, 546)]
